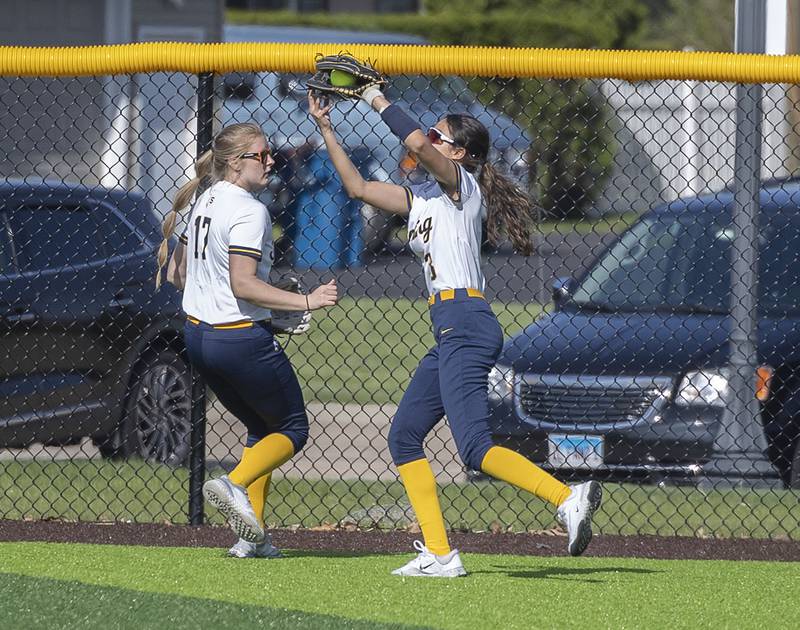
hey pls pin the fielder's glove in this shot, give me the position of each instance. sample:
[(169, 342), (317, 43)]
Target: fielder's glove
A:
[(290, 322), (345, 77)]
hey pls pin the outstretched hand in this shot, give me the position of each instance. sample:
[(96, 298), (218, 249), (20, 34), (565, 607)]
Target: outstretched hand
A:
[(319, 108)]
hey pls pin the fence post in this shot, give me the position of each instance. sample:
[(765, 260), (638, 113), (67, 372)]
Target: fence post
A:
[(197, 458), (739, 455)]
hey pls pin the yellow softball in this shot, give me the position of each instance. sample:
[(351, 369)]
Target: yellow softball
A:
[(340, 78)]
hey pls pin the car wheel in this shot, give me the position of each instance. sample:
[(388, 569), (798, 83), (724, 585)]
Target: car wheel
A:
[(156, 424)]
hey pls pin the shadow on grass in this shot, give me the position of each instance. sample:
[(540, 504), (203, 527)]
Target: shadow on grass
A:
[(579, 574), (35, 602)]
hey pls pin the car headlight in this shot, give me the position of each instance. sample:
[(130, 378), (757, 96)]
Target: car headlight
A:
[(501, 383), (703, 387)]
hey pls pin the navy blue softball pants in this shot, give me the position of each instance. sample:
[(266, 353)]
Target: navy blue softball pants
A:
[(252, 376), (451, 379)]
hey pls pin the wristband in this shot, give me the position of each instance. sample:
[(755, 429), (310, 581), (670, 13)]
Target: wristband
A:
[(398, 121), (371, 93)]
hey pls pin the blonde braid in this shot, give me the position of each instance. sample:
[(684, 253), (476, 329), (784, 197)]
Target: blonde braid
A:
[(183, 198)]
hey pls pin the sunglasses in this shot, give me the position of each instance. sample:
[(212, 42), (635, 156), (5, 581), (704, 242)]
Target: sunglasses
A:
[(436, 136), (261, 156)]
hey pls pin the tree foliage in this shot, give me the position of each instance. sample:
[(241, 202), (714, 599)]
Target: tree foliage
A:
[(573, 145)]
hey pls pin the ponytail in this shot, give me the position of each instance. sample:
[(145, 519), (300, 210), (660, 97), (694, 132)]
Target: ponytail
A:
[(183, 198), (508, 209)]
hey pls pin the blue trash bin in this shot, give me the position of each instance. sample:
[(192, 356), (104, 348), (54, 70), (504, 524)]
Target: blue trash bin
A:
[(328, 232)]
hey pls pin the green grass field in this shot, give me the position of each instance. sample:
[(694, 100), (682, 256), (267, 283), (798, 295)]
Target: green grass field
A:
[(96, 586), (134, 491), (365, 350)]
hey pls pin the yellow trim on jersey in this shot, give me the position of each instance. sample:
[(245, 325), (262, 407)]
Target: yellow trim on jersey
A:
[(449, 294), (183, 239), (409, 197), (245, 251)]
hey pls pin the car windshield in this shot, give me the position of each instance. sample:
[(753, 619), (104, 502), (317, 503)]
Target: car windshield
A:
[(681, 263), (429, 89)]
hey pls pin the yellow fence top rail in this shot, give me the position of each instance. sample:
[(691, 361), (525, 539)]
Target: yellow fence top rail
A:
[(461, 60)]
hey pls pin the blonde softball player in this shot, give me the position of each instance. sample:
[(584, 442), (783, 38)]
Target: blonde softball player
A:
[(444, 229), (222, 263)]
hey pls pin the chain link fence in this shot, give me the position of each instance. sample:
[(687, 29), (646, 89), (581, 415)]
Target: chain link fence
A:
[(653, 338)]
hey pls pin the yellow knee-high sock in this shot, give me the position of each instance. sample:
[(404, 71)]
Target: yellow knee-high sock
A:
[(507, 465), (420, 485), (257, 491), (262, 458)]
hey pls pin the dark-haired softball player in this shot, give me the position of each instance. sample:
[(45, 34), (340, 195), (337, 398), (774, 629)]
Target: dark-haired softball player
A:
[(445, 218), (222, 263)]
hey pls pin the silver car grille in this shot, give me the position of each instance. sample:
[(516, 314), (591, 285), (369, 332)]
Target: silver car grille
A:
[(593, 403)]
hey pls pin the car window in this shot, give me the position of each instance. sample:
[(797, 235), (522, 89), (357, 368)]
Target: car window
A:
[(118, 237), (684, 262), (53, 237), (779, 261), (634, 272), (708, 271)]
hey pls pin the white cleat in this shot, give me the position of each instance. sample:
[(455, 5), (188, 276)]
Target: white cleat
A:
[(265, 549), (232, 501), (575, 514), (427, 564)]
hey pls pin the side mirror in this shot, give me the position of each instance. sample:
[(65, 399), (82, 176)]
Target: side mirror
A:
[(561, 290)]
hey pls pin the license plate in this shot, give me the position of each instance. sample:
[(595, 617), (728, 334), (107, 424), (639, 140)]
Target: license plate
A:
[(575, 451)]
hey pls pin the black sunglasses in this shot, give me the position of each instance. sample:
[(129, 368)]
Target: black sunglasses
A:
[(261, 156)]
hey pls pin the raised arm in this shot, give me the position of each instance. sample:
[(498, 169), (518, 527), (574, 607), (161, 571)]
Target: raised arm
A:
[(390, 197), (443, 169)]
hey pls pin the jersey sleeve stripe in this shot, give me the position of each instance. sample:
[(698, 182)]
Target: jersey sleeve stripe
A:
[(409, 197), (245, 251)]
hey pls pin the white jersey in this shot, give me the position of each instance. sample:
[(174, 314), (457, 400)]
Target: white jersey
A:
[(446, 234), (226, 219)]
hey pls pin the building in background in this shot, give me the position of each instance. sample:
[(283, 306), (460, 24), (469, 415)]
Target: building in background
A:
[(133, 132)]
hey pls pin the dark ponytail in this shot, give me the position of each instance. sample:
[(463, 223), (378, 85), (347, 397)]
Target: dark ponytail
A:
[(509, 208)]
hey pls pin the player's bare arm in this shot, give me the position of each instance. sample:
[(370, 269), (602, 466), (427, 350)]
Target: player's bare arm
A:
[(440, 166), (389, 197), (246, 285), (176, 271)]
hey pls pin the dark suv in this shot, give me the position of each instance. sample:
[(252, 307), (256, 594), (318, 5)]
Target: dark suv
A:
[(628, 376), (89, 348)]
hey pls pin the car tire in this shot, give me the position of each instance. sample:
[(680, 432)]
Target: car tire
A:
[(156, 419)]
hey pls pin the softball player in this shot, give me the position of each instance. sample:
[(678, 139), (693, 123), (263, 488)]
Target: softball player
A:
[(222, 263), (445, 218)]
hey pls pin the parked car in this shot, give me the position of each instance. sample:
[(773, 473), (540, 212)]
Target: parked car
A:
[(89, 347), (277, 101), (628, 375)]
